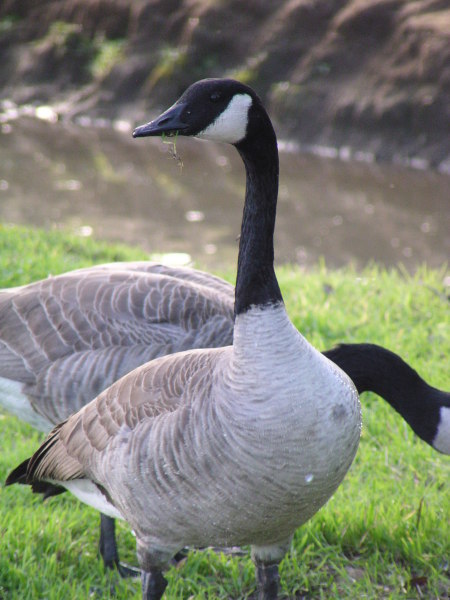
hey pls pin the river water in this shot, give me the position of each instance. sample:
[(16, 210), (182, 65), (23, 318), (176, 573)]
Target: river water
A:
[(101, 182)]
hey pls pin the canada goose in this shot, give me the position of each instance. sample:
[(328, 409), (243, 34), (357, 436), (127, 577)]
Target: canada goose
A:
[(113, 319), (178, 446)]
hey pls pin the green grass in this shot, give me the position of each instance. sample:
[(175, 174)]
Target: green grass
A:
[(385, 528)]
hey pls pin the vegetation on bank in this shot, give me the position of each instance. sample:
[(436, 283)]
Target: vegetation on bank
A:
[(384, 534), (367, 78)]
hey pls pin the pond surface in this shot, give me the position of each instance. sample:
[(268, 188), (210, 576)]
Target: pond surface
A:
[(101, 182)]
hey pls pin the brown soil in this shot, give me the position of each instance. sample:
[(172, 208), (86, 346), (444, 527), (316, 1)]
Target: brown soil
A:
[(360, 75)]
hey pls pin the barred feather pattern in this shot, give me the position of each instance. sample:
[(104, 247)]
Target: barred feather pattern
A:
[(66, 338)]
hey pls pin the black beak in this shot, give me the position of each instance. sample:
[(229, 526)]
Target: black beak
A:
[(169, 123)]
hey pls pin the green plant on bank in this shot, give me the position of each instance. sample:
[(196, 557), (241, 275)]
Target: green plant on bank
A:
[(385, 534), (97, 54), (108, 53), (170, 59), (60, 32), (245, 74), (8, 22), (248, 72)]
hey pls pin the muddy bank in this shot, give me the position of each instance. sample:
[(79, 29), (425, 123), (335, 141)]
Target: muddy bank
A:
[(371, 77)]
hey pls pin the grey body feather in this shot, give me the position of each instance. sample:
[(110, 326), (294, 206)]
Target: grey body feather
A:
[(65, 339)]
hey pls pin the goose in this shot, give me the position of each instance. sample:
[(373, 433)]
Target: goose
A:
[(177, 446), (114, 317)]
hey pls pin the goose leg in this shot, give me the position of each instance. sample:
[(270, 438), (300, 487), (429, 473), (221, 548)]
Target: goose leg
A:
[(267, 559), (152, 562), (267, 578), (108, 548), (153, 584)]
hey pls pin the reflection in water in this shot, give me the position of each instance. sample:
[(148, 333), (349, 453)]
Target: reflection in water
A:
[(102, 182)]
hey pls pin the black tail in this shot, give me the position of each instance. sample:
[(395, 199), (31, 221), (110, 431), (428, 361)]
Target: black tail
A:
[(19, 475)]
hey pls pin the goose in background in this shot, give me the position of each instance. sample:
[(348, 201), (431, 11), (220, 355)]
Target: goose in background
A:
[(144, 416), (114, 317)]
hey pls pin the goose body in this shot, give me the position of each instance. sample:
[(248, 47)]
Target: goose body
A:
[(198, 438), (179, 445)]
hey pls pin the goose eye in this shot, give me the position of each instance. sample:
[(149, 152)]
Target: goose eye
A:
[(215, 97)]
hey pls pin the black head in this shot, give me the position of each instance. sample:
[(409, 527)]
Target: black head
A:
[(214, 109)]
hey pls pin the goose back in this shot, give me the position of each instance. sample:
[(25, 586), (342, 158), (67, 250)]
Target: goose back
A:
[(64, 339)]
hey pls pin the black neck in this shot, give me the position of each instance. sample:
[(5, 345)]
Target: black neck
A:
[(376, 369), (256, 283)]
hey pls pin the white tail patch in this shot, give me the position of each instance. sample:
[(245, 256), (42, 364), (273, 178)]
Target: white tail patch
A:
[(442, 438), (15, 402), (86, 491), (231, 125)]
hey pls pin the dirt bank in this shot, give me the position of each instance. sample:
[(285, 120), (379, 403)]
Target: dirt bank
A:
[(371, 77)]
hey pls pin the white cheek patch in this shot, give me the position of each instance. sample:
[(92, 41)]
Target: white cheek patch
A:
[(442, 439), (231, 125)]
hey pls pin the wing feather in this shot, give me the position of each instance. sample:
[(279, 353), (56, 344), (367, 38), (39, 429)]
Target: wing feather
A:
[(74, 448)]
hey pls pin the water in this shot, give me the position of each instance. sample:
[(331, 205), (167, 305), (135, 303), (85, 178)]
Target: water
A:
[(101, 182)]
